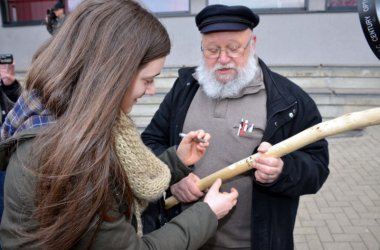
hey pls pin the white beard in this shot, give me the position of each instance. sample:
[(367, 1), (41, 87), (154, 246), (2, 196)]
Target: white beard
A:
[(224, 88)]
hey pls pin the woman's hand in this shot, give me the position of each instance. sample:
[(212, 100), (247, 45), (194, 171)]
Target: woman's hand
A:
[(190, 151), (221, 203)]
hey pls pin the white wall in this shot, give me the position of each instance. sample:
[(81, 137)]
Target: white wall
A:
[(309, 39), (22, 42)]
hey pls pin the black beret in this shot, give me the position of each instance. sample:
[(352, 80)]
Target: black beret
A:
[(220, 17)]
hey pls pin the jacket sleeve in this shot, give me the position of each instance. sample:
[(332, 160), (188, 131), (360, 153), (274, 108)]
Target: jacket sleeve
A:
[(12, 91), (305, 170), (189, 230), (177, 169)]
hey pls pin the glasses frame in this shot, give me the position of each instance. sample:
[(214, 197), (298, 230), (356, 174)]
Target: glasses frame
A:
[(227, 51)]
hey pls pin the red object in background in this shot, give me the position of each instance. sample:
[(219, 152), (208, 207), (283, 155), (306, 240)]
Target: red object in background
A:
[(342, 3), (28, 10)]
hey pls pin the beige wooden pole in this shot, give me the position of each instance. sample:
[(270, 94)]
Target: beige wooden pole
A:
[(319, 131)]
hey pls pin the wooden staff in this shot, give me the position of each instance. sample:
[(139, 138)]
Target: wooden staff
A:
[(319, 131)]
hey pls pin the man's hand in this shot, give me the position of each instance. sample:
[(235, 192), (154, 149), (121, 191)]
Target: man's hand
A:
[(186, 190), (7, 73), (268, 169)]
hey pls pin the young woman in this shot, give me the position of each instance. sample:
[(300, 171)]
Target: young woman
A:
[(79, 176)]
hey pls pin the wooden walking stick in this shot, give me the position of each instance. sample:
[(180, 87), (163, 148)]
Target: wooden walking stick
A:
[(319, 131)]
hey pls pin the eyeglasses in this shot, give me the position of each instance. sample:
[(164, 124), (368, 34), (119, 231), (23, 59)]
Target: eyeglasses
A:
[(232, 50)]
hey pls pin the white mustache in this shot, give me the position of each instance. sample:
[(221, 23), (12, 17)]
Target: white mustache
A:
[(226, 66), (214, 88)]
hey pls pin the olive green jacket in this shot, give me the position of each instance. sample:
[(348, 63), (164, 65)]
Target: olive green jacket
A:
[(189, 230)]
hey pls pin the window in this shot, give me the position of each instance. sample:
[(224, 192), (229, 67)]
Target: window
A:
[(22, 12), (167, 6), (260, 4), (341, 4)]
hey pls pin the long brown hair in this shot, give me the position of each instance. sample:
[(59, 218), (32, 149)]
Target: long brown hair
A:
[(82, 74)]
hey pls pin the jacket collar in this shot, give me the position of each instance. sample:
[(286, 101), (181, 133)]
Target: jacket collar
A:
[(280, 97), (281, 103)]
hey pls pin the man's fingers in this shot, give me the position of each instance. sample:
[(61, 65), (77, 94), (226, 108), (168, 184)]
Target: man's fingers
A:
[(263, 147)]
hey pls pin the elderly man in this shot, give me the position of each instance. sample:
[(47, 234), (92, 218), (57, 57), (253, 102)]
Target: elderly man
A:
[(55, 17), (246, 108)]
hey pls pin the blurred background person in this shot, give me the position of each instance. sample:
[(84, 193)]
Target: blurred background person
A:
[(10, 89), (55, 17)]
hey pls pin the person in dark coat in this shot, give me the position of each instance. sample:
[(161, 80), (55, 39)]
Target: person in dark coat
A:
[(55, 17), (246, 108), (10, 89)]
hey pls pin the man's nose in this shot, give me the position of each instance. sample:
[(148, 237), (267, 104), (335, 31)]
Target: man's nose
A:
[(224, 57)]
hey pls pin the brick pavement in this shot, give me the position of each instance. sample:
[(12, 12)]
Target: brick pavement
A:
[(345, 213)]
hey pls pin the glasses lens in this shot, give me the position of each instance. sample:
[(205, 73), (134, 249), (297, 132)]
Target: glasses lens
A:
[(231, 51), (211, 52)]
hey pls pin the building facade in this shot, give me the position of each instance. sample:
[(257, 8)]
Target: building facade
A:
[(290, 33)]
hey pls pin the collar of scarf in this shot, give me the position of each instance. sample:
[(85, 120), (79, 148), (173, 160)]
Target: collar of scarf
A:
[(147, 175), (28, 112)]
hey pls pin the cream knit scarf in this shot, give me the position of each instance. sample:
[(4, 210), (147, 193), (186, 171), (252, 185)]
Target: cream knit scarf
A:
[(148, 176)]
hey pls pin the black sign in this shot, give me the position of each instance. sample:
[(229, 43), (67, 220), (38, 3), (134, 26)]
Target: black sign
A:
[(369, 12)]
